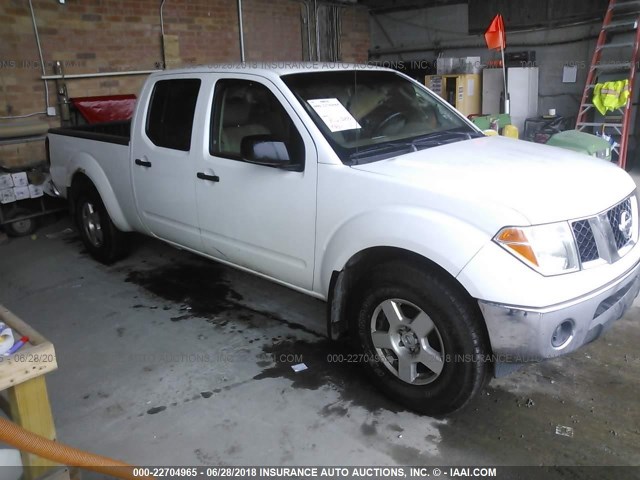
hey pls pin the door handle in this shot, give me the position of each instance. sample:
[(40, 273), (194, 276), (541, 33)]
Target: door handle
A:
[(143, 163), (211, 178)]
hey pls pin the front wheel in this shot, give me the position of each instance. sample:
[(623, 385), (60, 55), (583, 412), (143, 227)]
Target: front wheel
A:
[(423, 340), (100, 236)]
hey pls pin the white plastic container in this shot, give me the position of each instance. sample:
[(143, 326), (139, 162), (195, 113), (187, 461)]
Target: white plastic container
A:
[(6, 338)]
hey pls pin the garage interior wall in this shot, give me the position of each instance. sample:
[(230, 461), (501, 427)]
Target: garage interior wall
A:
[(90, 36), (422, 34)]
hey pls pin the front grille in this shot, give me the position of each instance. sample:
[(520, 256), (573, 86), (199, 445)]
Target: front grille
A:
[(620, 218), (587, 247), (606, 235)]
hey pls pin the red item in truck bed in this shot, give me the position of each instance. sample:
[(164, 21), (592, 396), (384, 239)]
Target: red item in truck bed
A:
[(107, 108)]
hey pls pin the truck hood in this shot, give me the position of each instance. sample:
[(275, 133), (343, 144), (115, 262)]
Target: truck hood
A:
[(542, 183)]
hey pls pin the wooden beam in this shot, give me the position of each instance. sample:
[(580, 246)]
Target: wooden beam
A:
[(29, 406)]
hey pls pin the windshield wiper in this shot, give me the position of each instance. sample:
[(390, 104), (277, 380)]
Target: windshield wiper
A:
[(386, 150), (383, 151), (441, 138)]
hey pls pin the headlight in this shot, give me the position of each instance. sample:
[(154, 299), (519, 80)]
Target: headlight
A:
[(549, 249)]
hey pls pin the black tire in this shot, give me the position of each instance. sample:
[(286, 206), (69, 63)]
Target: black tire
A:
[(460, 339), (110, 244), (21, 228)]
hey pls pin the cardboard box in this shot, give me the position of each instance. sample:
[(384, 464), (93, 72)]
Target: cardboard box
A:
[(35, 191), (5, 181), (21, 193), (7, 196), (20, 179)]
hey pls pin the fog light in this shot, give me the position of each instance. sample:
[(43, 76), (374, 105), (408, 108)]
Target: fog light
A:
[(562, 334)]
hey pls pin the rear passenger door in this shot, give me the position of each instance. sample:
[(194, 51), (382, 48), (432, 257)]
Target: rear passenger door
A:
[(164, 160), (256, 216)]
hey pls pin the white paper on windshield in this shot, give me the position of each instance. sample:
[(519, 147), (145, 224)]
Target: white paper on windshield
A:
[(334, 115)]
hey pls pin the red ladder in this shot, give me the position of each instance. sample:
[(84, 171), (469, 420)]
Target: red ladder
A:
[(629, 11)]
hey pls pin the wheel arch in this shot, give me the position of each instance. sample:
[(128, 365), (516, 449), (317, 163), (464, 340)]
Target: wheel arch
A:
[(93, 177), (344, 284), (442, 238)]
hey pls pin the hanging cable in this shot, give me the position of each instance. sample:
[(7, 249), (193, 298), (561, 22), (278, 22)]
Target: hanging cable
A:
[(162, 45), (35, 30), (162, 17), (46, 87)]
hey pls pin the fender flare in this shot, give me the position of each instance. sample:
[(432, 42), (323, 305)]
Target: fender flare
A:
[(444, 240), (84, 164), (451, 243)]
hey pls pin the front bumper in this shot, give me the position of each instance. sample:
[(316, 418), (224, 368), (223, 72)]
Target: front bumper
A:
[(519, 335)]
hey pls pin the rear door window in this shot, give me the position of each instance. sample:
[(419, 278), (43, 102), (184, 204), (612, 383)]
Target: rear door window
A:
[(171, 110)]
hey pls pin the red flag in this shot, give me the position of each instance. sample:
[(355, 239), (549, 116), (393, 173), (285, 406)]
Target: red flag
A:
[(494, 36)]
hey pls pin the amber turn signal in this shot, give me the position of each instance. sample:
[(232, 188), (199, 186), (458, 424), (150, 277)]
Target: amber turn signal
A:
[(516, 240)]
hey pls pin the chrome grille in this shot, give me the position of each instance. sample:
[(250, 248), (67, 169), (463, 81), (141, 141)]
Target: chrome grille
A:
[(608, 235), (587, 247), (620, 218)]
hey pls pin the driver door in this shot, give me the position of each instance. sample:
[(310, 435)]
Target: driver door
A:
[(252, 215)]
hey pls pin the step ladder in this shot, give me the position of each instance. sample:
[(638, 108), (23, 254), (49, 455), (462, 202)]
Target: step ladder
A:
[(622, 17)]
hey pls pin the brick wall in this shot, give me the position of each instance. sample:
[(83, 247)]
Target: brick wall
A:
[(91, 36), (355, 35), (272, 29)]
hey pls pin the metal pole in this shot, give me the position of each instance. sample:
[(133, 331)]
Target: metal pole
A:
[(241, 31), (504, 77), (97, 75)]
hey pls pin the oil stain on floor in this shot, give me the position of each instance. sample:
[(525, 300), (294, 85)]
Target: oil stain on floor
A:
[(329, 364), (513, 428), (200, 289), (199, 286)]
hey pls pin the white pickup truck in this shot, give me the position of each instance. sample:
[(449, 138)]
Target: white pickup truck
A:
[(445, 255)]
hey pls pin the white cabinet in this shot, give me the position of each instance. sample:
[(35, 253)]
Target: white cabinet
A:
[(523, 92), (522, 84)]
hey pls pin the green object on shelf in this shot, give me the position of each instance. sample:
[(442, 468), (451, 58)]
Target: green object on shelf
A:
[(582, 142)]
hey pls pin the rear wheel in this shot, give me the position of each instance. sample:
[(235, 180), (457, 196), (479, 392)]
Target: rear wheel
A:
[(423, 341), (100, 236)]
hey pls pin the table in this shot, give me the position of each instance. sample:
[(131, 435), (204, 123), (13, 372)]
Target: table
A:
[(22, 375)]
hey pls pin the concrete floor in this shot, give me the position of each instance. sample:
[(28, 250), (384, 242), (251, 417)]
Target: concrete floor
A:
[(135, 383)]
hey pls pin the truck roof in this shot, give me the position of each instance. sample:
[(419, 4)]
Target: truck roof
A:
[(272, 68)]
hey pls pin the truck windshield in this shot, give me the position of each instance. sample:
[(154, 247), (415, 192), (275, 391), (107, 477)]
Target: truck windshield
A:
[(372, 115)]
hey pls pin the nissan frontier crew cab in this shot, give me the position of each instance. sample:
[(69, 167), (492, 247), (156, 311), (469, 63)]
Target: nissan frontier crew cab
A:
[(445, 256)]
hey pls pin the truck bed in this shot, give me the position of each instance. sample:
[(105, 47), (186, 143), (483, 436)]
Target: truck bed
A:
[(103, 151), (110, 132)]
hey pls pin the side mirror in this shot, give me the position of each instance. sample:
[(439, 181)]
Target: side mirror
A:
[(264, 150)]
